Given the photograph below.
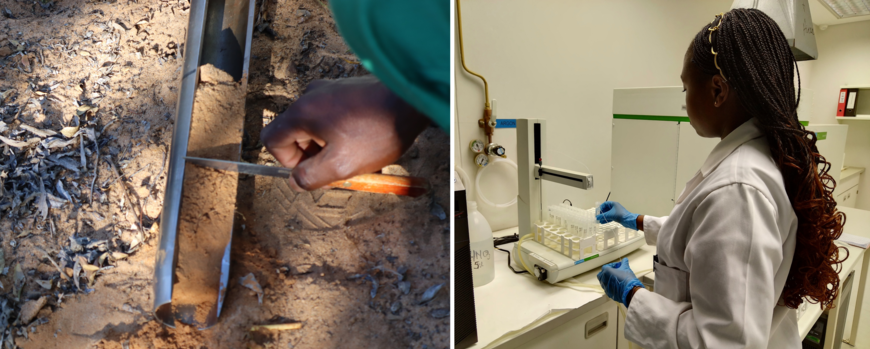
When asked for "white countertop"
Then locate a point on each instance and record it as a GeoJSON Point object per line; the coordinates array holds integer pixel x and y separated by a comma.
{"type": "Point", "coordinates": [512, 301]}
{"type": "Point", "coordinates": [857, 221]}
{"type": "Point", "coordinates": [849, 172]}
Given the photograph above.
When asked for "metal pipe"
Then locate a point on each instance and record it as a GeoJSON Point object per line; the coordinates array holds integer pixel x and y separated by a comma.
{"type": "Point", "coordinates": [462, 53]}
{"type": "Point", "coordinates": [487, 109]}
{"type": "Point", "coordinates": [164, 269]}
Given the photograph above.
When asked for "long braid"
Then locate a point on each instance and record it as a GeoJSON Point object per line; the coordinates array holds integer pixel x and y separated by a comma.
{"type": "Point", "coordinates": [758, 64]}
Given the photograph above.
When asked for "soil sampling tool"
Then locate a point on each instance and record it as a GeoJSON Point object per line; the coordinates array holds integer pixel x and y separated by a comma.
{"type": "Point", "coordinates": [372, 183]}
{"type": "Point", "coordinates": [219, 35]}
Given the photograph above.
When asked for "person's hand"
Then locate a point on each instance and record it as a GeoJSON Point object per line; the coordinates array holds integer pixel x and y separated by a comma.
{"type": "Point", "coordinates": [612, 211]}
{"type": "Point", "coordinates": [618, 280]}
{"type": "Point", "coordinates": [342, 128]}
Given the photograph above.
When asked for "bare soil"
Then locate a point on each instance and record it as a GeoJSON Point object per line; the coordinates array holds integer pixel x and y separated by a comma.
{"type": "Point", "coordinates": [209, 197]}
{"type": "Point", "coordinates": [316, 255]}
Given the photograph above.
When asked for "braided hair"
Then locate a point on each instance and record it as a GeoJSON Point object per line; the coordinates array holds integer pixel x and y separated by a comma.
{"type": "Point", "coordinates": [753, 56]}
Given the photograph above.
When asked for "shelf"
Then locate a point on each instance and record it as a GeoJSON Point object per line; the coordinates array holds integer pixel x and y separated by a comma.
{"type": "Point", "coordinates": [860, 87]}
{"type": "Point", "coordinates": [854, 118]}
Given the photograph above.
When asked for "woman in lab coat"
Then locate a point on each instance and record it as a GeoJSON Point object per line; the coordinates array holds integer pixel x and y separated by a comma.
{"type": "Point", "coordinates": [751, 236]}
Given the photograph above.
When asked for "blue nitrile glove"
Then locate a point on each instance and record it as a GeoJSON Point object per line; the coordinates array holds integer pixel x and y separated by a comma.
{"type": "Point", "coordinates": [617, 280]}
{"type": "Point", "coordinates": [612, 211]}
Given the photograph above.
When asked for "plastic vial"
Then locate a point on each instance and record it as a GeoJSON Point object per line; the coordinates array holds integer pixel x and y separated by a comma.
{"type": "Point", "coordinates": [539, 231]}
{"type": "Point", "coordinates": [575, 248]}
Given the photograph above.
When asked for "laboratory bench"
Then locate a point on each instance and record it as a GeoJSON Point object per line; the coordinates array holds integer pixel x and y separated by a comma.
{"type": "Point", "coordinates": [517, 311]}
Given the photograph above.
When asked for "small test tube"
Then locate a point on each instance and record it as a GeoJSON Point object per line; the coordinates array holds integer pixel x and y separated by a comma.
{"type": "Point", "coordinates": [587, 247]}
{"type": "Point", "coordinates": [569, 251]}
{"type": "Point", "coordinates": [599, 238]}
{"type": "Point", "coordinates": [610, 235]}
{"type": "Point", "coordinates": [620, 237]}
{"type": "Point", "coordinates": [575, 248]}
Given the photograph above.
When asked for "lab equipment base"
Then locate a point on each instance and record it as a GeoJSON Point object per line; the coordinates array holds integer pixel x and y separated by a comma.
{"type": "Point", "coordinates": [559, 267]}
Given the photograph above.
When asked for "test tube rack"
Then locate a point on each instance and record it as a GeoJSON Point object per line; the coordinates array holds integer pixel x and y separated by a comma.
{"type": "Point", "coordinates": [570, 241]}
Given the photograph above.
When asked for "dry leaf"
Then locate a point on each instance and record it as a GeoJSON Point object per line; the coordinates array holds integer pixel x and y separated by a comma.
{"type": "Point", "coordinates": [119, 255]}
{"type": "Point", "coordinates": [278, 327]}
{"type": "Point", "coordinates": [83, 108]}
{"type": "Point", "coordinates": [430, 293]}
{"type": "Point", "coordinates": [70, 131]}
{"type": "Point", "coordinates": [4, 95]}
{"type": "Point", "coordinates": [77, 271]}
{"type": "Point", "coordinates": [17, 281]}
{"type": "Point", "coordinates": [85, 266]}
{"type": "Point", "coordinates": [42, 202]}
{"type": "Point", "coordinates": [30, 309]}
{"type": "Point", "coordinates": [38, 132]}
{"type": "Point", "coordinates": [46, 284]}
{"type": "Point", "coordinates": [250, 281]}
{"type": "Point", "coordinates": [18, 144]}
{"type": "Point", "coordinates": [58, 142]}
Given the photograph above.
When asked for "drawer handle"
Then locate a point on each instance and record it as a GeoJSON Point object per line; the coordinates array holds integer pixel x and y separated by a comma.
{"type": "Point", "coordinates": [596, 325]}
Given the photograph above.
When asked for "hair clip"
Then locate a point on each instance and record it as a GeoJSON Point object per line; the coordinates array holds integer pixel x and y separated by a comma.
{"type": "Point", "coordinates": [720, 17]}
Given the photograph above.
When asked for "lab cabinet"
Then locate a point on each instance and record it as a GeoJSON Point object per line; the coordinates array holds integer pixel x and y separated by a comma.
{"type": "Point", "coordinates": [849, 198]}
{"type": "Point", "coordinates": [655, 150]}
{"type": "Point", "coordinates": [846, 193]}
{"type": "Point", "coordinates": [650, 172]}
{"type": "Point", "coordinates": [644, 161]}
{"type": "Point", "coordinates": [596, 328]}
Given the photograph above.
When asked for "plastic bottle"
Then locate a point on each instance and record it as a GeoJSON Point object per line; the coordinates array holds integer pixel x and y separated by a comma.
{"type": "Point", "coordinates": [481, 244]}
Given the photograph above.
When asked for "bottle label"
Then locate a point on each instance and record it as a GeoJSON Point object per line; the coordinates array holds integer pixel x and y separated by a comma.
{"type": "Point", "coordinates": [479, 258]}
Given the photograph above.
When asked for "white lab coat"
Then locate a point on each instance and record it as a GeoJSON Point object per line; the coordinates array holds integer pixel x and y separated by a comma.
{"type": "Point", "coordinates": [723, 256]}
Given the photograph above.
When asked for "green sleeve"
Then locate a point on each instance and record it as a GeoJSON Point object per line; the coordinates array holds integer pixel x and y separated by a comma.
{"type": "Point", "coordinates": [406, 44]}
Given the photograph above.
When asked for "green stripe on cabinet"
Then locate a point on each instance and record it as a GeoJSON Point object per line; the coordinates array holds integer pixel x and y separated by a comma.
{"type": "Point", "coordinates": [665, 118]}
{"type": "Point", "coordinates": [652, 117]}
{"type": "Point", "coordinates": [821, 135]}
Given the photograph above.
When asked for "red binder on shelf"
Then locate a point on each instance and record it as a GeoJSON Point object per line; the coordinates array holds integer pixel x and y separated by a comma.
{"type": "Point", "coordinates": [841, 102]}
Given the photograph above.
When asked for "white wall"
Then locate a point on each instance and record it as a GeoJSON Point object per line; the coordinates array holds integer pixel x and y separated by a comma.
{"type": "Point", "coordinates": [844, 59]}
{"type": "Point", "coordinates": [560, 60]}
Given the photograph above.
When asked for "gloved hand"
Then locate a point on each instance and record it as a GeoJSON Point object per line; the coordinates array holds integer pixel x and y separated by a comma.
{"type": "Point", "coordinates": [342, 128]}
{"type": "Point", "coordinates": [617, 280]}
{"type": "Point", "coordinates": [612, 211]}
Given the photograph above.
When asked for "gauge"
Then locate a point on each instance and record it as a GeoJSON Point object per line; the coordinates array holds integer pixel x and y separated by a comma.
{"type": "Point", "coordinates": [495, 150]}
{"type": "Point", "coordinates": [481, 160]}
{"type": "Point", "coordinates": [476, 146]}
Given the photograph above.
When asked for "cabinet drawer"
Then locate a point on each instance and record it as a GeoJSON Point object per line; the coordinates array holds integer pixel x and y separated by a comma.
{"type": "Point", "coordinates": [848, 197]}
{"type": "Point", "coordinates": [848, 183]}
